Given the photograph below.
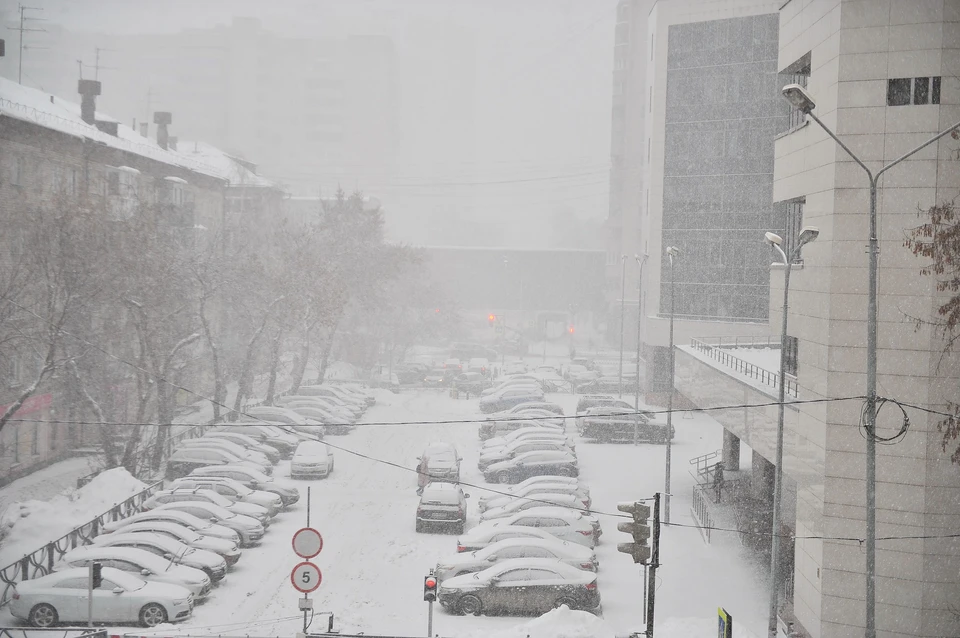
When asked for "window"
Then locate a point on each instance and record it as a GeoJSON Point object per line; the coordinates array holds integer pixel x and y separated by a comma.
{"type": "Point", "coordinates": [794, 225]}
{"type": "Point", "coordinates": [620, 64]}
{"type": "Point", "coordinates": [17, 177]}
{"type": "Point", "coordinates": [918, 91]}
{"type": "Point", "coordinates": [797, 73]}
{"type": "Point", "coordinates": [790, 355]}
{"type": "Point", "coordinates": [72, 583]}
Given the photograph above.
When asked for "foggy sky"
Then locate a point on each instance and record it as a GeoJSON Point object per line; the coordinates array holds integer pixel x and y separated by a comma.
{"type": "Point", "coordinates": [540, 72]}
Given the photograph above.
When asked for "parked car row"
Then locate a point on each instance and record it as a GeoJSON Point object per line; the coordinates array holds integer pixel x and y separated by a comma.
{"type": "Point", "coordinates": [533, 548]}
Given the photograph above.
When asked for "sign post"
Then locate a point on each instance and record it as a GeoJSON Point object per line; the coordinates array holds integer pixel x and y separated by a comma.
{"type": "Point", "coordinates": [306, 577]}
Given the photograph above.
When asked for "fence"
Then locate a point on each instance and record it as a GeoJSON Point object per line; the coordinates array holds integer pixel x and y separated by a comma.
{"type": "Point", "coordinates": [58, 632]}
{"type": "Point", "coordinates": [701, 512]}
{"type": "Point", "coordinates": [720, 354]}
{"type": "Point", "coordinates": [40, 561]}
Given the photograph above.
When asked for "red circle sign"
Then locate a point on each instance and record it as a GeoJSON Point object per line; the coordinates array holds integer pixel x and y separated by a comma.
{"type": "Point", "coordinates": [306, 577]}
{"type": "Point", "coordinates": [307, 542]}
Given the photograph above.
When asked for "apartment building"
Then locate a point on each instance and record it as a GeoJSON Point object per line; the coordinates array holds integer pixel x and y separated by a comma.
{"type": "Point", "coordinates": [883, 75]}
{"type": "Point", "coordinates": [54, 150]}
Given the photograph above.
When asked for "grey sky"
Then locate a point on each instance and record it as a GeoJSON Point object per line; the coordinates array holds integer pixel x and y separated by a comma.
{"type": "Point", "coordinates": [541, 88]}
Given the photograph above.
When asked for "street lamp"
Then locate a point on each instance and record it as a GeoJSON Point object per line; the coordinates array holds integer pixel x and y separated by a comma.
{"type": "Point", "coordinates": [807, 235]}
{"type": "Point", "coordinates": [636, 399]}
{"type": "Point", "coordinates": [801, 100]}
{"type": "Point", "coordinates": [673, 253]}
{"type": "Point", "coordinates": [623, 283]}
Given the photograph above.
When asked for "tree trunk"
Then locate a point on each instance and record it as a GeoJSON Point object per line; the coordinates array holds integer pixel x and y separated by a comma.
{"type": "Point", "coordinates": [243, 385]}
{"type": "Point", "coordinates": [300, 366]}
{"type": "Point", "coordinates": [274, 363]}
{"type": "Point", "coordinates": [327, 348]}
{"type": "Point", "coordinates": [218, 389]}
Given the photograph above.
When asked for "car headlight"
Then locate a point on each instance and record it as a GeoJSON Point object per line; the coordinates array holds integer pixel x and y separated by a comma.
{"type": "Point", "coordinates": [181, 601]}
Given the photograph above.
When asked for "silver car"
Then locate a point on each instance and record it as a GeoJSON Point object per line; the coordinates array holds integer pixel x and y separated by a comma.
{"type": "Point", "coordinates": [234, 491]}
{"type": "Point", "coordinates": [180, 494]}
{"type": "Point", "coordinates": [168, 548]}
{"type": "Point", "coordinates": [249, 529]}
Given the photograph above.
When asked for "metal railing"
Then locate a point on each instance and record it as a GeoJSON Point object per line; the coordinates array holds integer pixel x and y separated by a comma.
{"type": "Point", "coordinates": [50, 632]}
{"type": "Point", "coordinates": [719, 353]}
{"type": "Point", "coordinates": [701, 512]}
{"type": "Point", "coordinates": [40, 561]}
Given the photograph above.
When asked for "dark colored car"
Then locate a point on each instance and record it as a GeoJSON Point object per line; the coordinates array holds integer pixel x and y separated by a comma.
{"type": "Point", "coordinates": [509, 397]}
{"type": "Point", "coordinates": [538, 463]}
{"type": "Point", "coordinates": [471, 383]}
{"type": "Point", "coordinates": [408, 373]}
{"type": "Point", "coordinates": [521, 586]}
{"type": "Point", "coordinates": [605, 384]}
{"type": "Point", "coordinates": [444, 506]}
{"type": "Point", "coordinates": [609, 424]}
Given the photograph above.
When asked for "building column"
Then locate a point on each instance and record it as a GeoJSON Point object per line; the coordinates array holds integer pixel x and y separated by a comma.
{"type": "Point", "coordinates": [731, 451]}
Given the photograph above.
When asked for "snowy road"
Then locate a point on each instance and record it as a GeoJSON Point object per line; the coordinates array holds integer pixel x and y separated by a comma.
{"type": "Point", "coordinates": [373, 562]}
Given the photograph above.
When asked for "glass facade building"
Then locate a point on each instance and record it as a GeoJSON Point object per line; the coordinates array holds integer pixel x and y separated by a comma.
{"type": "Point", "coordinates": [724, 110]}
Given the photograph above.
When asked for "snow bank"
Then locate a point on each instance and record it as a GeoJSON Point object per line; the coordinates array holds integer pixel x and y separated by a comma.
{"type": "Point", "coordinates": [559, 623]}
{"type": "Point", "coordinates": [341, 370]}
{"type": "Point", "coordinates": [29, 525]}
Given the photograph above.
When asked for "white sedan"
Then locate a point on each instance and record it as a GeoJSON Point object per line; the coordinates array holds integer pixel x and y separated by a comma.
{"type": "Point", "coordinates": [529, 431]}
{"type": "Point", "coordinates": [468, 562]}
{"type": "Point", "coordinates": [139, 563]}
{"type": "Point", "coordinates": [312, 458]}
{"type": "Point", "coordinates": [121, 598]}
{"type": "Point", "coordinates": [567, 525]}
{"type": "Point", "coordinates": [532, 491]}
{"type": "Point", "coordinates": [483, 535]}
{"type": "Point", "coordinates": [211, 563]}
{"type": "Point", "coordinates": [520, 504]}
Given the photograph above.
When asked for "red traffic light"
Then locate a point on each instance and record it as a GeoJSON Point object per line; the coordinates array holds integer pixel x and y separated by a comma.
{"type": "Point", "coordinates": [491, 317]}
{"type": "Point", "coordinates": [437, 310]}
{"type": "Point", "coordinates": [570, 329]}
{"type": "Point", "coordinates": [430, 582]}
{"type": "Point", "coordinates": [430, 588]}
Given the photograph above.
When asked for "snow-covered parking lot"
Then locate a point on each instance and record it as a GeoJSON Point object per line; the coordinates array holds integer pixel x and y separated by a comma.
{"type": "Point", "coordinates": [373, 562]}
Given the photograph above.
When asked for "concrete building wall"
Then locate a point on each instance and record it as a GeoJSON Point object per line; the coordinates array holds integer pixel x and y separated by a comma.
{"type": "Point", "coordinates": [855, 48]}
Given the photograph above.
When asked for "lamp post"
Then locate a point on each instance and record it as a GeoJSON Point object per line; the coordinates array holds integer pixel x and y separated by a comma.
{"type": "Point", "coordinates": [807, 235]}
{"type": "Point", "coordinates": [623, 294]}
{"type": "Point", "coordinates": [673, 253]}
{"type": "Point", "coordinates": [801, 100]}
{"type": "Point", "coordinates": [636, 399]}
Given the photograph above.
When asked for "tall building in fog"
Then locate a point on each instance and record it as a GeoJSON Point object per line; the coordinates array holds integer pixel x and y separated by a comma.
{"type": "Point", "coordinates": [314, 113]}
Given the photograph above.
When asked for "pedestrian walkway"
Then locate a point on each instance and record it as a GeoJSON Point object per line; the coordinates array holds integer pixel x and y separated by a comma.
{"type": "Point", "coordinates": [44, 484]}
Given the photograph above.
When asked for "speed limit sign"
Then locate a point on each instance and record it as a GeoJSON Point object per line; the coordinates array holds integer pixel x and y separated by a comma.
{"type": "Point", "coordinates": [306, 577]}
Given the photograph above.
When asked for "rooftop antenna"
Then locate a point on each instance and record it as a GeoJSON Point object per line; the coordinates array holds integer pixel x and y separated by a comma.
{"type": "Point", "coordinates": [96, 65]}
{"type": "Point", "coordinates": [23, 28]}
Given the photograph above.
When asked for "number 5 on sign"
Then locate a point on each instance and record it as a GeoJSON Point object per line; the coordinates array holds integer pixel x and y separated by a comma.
{"type": "Point", "coordinates": [306, 577]}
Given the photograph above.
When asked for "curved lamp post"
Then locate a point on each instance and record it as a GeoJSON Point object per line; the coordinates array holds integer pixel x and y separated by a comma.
{"type": "Point", "coordinates": [807, 235]}
{"type": "Point", "coordinates": [674, 254]}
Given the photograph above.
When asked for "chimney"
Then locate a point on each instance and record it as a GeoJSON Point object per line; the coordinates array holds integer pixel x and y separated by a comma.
{"type": "Point", "coordinates": [172, 143]}
{"type": "Point", "coordinates": [88, 90]}
{"type": "Point", "coordinates": [144, 129]}
{"type": "Point", "coordinates": [162, 119]}
{"type": "Point", "coordinates": [110, 128]}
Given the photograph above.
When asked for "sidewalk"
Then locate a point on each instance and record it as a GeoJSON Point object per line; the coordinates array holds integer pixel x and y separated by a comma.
{"type": "Point", "coordinates": [44, 484]}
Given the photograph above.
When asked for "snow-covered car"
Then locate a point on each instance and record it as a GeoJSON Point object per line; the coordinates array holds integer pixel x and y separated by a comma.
{"type": "Point", "coordinates": [512, 380]}
{"type": "Point", "coordinates": [139, 563]}
{"type": "Point", "coordinates": [61, 597]}
{"type": "Point", "coordinates": [186, 459]}
{"type": "Point", "coordinates": [248, 442]}
{"type": "Point", "coordinates": [284, 442]}
{"type": "Point", "coordinates": [539, 463]}
{"type": "Point", "coordinates": [332, 406]}
{"type": "Point", "coordinates": [520, 585]}
{"type": "Point", "coordinates": [311, 460]}
{"type": "Point", "coordinates": [333, 391]}
{"type": "Point", "coordinates": [442, 505]}
{"type": "Point", "coordinates": [610, 424]}
{"type": "Point", "coordinates": [484, 535]}
{"type": "Point", "coordinates": [435, 378]}
{"type": "Point", "coordinates": [212, 564]}
{"type": "Point", "coordinates": [273, 414]}
{"type": "Point", "coordinates": [441, 461]}
{"type": "Point", "coordinates": [250, 529]}
{"type": "Point", "coordinates": [519, 504]}
{"type": "Point", "coordinates": [516, 448]}
{"type": "Point", "coordinates": [332, 423]}
{"type": "Point", "coordinates": [233, 490]}
{"type": "Point", "coordinates": [565, 524]}
{"type": "Point", "coordinates": [531, 491]}
{"type": "Point", "coordinates": [222, 444]}
{"type": "Point", "coordinates": [538, 415]}
{"type": "Point", "coordinates": [229, 550]}
{"type": "Point", "coordinates": [344, 387]}
{"type": "Point", "coordinates": [251, 478]}
{"type": "Point", "coordinates": [469, 562]}
{"type": "Point", "coordinates": [528, 432]}
{"type": "Point", "coordinates": [191, 522]}
{"type": "Point", "coordinates": [181, 494]}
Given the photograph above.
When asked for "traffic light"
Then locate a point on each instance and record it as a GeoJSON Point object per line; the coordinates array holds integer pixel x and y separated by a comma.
{"type": "Point", "coordinates": [430, 588]}
{"type": "Point", "coordinates": [95, 575]}
{"type": "Point", "coordinates": [639, 529]}
{"type": "Point", "coordinates": [491, 318]}
{"type": "Point", "coordinates": [570, 329]}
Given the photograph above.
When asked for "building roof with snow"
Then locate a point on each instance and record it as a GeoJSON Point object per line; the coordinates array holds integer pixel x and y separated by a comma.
{"type": "Point", "coordinates": [234, 169]}
{"type": "Point", "coordinates": [49, 111]}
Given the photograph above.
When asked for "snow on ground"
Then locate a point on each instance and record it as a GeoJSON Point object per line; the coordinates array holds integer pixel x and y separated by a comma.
{"type": "Point", "coordinates": [766, 358]}
{"type": "Point", "coordinates": [373, 562]}
{"type": "Point", "coordinates": [28, 525]}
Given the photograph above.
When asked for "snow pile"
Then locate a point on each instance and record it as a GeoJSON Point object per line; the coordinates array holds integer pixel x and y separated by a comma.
{"type": "Point", "coordinates": [341, 370]}
{"type": "Point", "coordinates": [559, 623]}
{"type": "Point", "coordinates": [31, 524]}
